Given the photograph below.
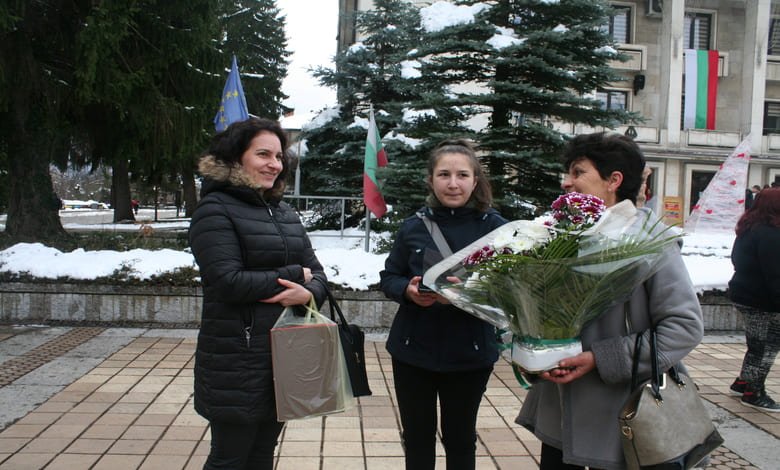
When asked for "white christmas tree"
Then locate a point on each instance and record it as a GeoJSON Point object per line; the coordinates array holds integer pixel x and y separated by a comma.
{"type": "Point", "coordinates": [723, 201]}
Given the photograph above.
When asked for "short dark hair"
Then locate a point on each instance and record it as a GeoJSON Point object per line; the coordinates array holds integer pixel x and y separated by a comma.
{"type": "Point", "coordinates": [229, 145]}
{"type": "Point", "coordinates": [482, 196]}
{"type": "Point", "coordinates": [610, 151]}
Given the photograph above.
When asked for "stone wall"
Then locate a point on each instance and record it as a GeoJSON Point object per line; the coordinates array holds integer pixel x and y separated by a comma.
{"type": "Point", "coordinates": [180, 306]}
{"type": "Point", "coordinates": [40, 302]}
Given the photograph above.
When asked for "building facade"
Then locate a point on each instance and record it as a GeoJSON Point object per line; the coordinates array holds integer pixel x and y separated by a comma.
{"type": "Point", "coordinates": [655, 34]}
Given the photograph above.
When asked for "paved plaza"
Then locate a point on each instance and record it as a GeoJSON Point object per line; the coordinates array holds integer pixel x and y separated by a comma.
{"type": "Point", "coordinates": [120, 398]}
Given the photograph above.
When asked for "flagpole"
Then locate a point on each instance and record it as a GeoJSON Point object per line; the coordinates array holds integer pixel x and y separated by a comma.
{"type": "Point", "coordinates": [368, 230]}
{"type": "Point", "coordinates": [368, 212]}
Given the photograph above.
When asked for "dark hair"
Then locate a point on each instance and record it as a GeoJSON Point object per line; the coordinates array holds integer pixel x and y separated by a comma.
{"type": "Point", "coordinates": [610, 152]}
{"type": "Point", "coordinates": [229, 145]}
{"type": "Point", "coordinates": [482, 196]}
{"type": "Point", "coordinates": [764, 211]}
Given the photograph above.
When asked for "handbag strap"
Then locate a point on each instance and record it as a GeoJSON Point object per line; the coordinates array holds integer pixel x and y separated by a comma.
{"type": "Point", "coordinates": [335, 310]}
{"type": "Point", "coordinates": [635, 362]}
{"type": "Point", "coordinates": [656, 376]}
{"type": "Point", "coordinates": [438, 237]}
{"type": "Point", "coordinates": [441, 243]}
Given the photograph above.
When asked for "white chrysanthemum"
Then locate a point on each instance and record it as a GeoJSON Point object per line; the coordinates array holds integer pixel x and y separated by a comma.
{"type": "Point", "coordinates": [472, 282]}
{"type": "Point", "coordinates": [526, 234]}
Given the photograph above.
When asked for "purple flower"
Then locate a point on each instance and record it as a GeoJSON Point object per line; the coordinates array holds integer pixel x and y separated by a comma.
{"type": "Point", "coordinates": [576, 211]}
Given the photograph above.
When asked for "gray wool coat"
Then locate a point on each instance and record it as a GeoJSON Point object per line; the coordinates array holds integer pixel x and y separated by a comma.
{"type": "Point", "coordinates": [580, 418]}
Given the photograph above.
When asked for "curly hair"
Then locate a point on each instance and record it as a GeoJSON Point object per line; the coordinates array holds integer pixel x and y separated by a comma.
{"type": "Point", "coordinates": [229, 145]}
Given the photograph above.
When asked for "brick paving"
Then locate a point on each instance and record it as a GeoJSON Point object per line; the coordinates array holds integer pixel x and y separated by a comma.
{"type": "Point", "coordinates": [16, 367]}
{"type": "Point", "coordinates": [134, 411]}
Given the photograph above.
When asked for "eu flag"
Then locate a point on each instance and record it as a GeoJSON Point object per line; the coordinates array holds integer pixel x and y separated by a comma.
{"type": "Point", "coordinates": [233, 106]}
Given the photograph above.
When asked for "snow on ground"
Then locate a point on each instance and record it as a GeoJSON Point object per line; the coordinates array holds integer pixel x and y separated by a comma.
{"type": "Point", "coordinates": [344, 257]}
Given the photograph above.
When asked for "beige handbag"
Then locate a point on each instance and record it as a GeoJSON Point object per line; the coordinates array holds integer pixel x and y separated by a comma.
{"type": "Point", "coordinates": [664, 424]}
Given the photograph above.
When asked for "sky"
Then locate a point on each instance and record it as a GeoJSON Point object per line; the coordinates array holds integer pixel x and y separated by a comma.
{"type": "Point", "coordinates": [312, 28]}
{"type": "Point", "coordinates": [344, 259]}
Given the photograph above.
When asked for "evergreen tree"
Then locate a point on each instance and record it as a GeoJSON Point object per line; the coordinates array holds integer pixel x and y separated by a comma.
{"type": "Point", "coordinates": [143, 95]}
{"type": "Point", "coordinates": [4, 183]}
{"type": "Point", "coordinates": [539, 63]}
{"type": "Point", "coordinates": [376, 71]}
{"type": "Point", "coordinates": [36, 108]}
{"type": "Point", "coordinates": [254, 32]}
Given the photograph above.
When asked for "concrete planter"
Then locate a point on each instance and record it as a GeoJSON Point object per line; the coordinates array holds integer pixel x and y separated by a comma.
{"type": "Point", "coordinates": [22, 302]}
{"type": "Point", "coordinates": [165, 305]}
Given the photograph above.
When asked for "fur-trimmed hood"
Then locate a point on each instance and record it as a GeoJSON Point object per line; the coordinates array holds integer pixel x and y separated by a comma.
{"type": "Point", "coordinates": [221, 172]}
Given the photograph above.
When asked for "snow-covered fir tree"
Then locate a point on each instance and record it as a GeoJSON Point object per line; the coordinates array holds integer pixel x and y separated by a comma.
{"type": "Point", "coordinates": [376, 71]}
{"type": "Point", "coordinates": [514, 75]}
{"type": "Point", "coordinates": [528, 64]}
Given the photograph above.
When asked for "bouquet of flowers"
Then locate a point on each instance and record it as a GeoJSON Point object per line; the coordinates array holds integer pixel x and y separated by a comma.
{"type": "Point", "coordinates": [544, 279]}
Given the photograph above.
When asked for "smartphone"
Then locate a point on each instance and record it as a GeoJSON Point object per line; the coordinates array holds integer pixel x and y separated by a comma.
{"type": "Point", "coordinates": [423, 289]}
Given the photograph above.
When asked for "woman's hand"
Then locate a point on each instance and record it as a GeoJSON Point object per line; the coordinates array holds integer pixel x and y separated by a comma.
{"type": "Point", "coordinates": [571, 368]}
{"type": "Point", "coordinates": [307, 275]}
{"type": "Point", "coordinates": [293, 294]}
{"type": "Point", "coordinates": [423, 299]}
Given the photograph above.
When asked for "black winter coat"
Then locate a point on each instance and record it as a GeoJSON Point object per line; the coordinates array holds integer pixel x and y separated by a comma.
{"type": "Point", "coordinates": [756, 260]}
{"type": "Point", "coordinates": [242, 245]}
{"type": "Point", "coordinates": [440, 337]}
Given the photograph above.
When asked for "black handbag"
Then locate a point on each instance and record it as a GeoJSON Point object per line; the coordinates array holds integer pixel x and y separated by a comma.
{"type": "Point", "coordinates": [664, 424]}
{"type": "Point", "coordinates": [353, 344]}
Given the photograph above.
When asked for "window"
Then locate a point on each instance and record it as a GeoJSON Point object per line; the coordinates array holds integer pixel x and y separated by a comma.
{"type": "Point", "coordinates": [613, 99]}
{"type": "Point", "coordinates": [774, 37]}
{"type": "Point", "coordinates": [700, 179]}
{"type": "Point", "coordinates": [619, 24]}
{"type": "Point", "coordinates": [696, 30]}
{"type": "Point", "coordinates": [771, 117]}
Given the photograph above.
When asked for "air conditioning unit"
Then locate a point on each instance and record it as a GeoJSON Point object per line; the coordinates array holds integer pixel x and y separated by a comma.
{"type": "Point", "coordinates": [655, 8]}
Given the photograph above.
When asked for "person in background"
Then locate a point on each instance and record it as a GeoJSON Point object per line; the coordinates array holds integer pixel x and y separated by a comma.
{"type": "Point", "coordinates": [177, 201]}
{"type": "Point", "coordinates": [750, 195]}
{"type": "Point", "coordinates": [573, 409]}
{"type": "Point", "coordinates": [755, 290]}
{"type": "Point", "coordinates": [438, 350]}
{"type": "Point", "coordinates": [644, 197]}
{"type": "Point", "coordinates": [255, 259]}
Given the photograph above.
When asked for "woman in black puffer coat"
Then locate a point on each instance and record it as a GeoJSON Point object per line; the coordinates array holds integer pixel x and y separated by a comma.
{"type": "Point", "coordinates": [255, 259]}
{"type": "Point", "coordinates": [439, 351]}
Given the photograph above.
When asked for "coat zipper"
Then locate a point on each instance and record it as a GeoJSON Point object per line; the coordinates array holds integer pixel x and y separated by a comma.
{"type": "Point", "coordinates": [278, 230]}
{"type": "Point", "coordinates": [248, 331]}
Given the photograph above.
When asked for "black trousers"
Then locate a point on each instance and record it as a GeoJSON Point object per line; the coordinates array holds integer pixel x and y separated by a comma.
{"type": "Point", "coordinates": [459, 394]}
{"type": "Point", "coordinates": [243, 446]}
{"type": "Point", "coordinates": [552, 459]}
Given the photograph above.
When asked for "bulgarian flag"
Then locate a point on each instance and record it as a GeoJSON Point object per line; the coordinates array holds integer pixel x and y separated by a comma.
{"type": "Point", "coordinates": [375, 158]}
{"type": "Point", "coordinates": [701, 89]}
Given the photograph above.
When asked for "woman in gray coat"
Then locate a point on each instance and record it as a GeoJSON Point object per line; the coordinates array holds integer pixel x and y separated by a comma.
{"type": "Point", "coordinates": [573, 409]}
